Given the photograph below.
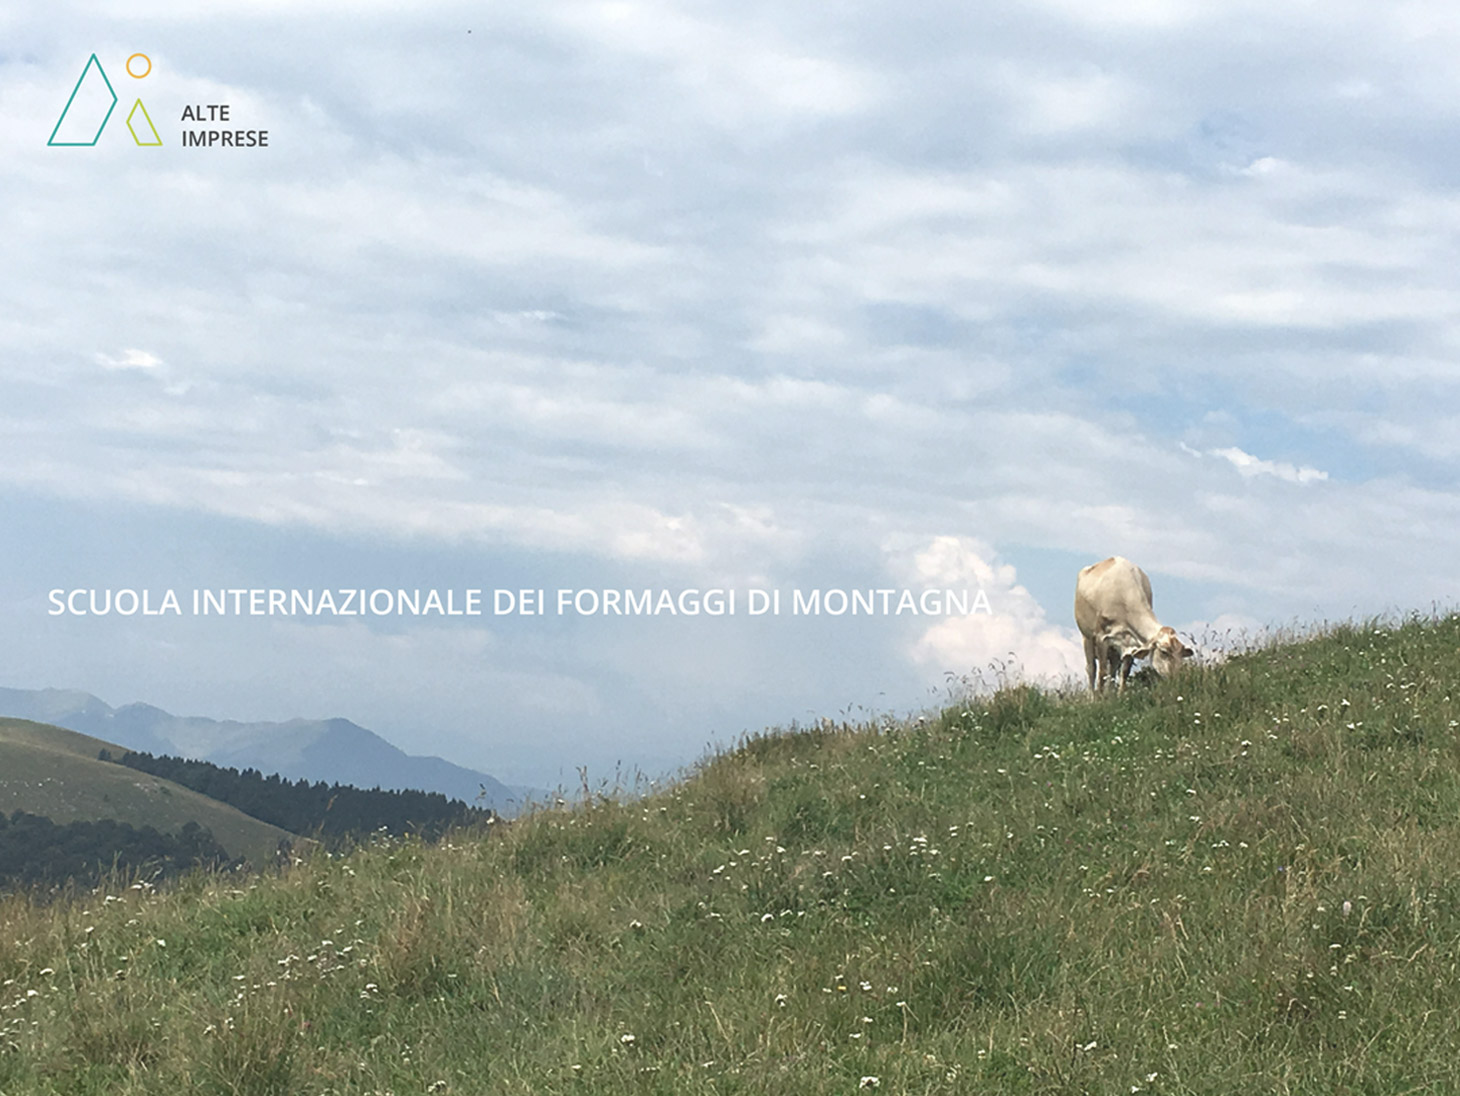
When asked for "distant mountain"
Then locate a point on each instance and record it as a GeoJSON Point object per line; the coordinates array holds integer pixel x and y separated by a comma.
{"type": "Point", "coordinates": [333, 750]}
{"type": "Point", "coordinates": [56, 773]}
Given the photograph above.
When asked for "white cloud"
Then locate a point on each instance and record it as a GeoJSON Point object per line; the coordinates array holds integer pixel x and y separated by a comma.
{"type": "Point", "coordinates": [738, 73]}
{"type": "Point", "coordinates": [1132, 14]}
{"type": "Point", "coordinates": [1016, 635]}
{"type": "Point", "coordinates": [1250, 466]}
{"type": "Point", "coordinates": [1057, 103]}
{"type": "Point", "coordinates": [129, 359]}
{"type": "Point", "coordinates": [723, 291]}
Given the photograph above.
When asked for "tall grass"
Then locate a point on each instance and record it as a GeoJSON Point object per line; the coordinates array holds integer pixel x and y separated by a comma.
{"type": "Point", "coordinates": [1244, 877]}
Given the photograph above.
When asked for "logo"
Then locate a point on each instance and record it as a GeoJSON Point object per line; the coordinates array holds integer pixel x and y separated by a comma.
{"type": "Point", "coordinates": [94, 99]}
{"type": "Point", "coordinates": [92, 102]}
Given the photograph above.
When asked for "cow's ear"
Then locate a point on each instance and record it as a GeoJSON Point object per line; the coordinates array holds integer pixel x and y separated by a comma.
{"type": "Point", "coordinates": [1143, 652]}
{"type": "Point", "coordinates": [1187, 652]}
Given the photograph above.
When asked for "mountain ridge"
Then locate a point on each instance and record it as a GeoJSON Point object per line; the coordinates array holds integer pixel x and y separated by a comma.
{"type": "Point", "coordinates": [335, 750]}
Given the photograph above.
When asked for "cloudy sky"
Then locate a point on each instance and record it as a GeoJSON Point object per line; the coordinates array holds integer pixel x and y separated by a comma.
{"type": "Point", "coordinates": [645, 293]}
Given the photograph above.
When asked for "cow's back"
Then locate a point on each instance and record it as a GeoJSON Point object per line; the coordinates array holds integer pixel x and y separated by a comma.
{"type": "Point", "coordinates": [1113, 592]}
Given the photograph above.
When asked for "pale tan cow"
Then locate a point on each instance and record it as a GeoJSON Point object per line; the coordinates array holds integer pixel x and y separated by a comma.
{"type": "Point", "coordinates": [1114, 614]}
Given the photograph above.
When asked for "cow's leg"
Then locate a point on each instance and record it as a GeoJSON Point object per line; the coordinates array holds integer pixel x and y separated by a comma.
{"type": "Point", "coordinates": [1126, 662]}
{"type": "Point", "coordinates": [1090, 661]}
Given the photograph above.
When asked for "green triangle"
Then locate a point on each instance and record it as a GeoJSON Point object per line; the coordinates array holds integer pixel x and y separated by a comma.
{"type": "Point", "coordinates": [156, 141]}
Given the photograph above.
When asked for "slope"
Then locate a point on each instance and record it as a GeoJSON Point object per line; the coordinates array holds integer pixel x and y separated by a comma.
{"type": "Point", "coordinates": [1243, 879]}
{"type": "Point", "coordinates": [54, 772]}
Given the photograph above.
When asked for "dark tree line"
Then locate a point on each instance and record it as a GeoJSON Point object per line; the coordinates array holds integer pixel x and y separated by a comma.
{"type": "Point", "coordinates": [36, 851]}
{"type": "Point", "coordinates": [336, 814]}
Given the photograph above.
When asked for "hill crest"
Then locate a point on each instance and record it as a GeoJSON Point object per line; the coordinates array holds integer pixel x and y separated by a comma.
{"type": "Point", "coordinates": [336, 751]}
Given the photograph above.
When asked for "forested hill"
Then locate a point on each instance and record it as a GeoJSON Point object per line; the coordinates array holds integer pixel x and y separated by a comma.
{"type": "Point", "coordinates": [337, 814]}
{"type": "Point", "coordinates": [51, 772]}
{"type": "Point", "coordinates": [35, 851]}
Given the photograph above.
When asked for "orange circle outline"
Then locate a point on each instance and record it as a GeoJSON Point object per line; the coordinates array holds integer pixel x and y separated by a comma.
{"type": "Point", "coordinates": [132, 74]}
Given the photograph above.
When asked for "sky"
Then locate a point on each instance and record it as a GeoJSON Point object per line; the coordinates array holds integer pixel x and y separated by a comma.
{"type": "Point", "coordinates": [649, 294]}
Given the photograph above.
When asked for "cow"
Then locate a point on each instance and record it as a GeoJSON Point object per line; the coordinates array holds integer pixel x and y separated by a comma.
{"type": "Point", "coordinates": [1114, 614]}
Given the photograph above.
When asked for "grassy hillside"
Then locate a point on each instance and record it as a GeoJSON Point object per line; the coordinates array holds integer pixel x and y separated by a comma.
{"type": "Point", "coordinates": [55, 772]}
{"type": "Point", "coordinates": [1246, 878]}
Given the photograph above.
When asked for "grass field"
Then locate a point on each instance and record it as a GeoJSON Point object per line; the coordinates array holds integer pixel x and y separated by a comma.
{"type": "Point", "coordinates": [1246, 878]}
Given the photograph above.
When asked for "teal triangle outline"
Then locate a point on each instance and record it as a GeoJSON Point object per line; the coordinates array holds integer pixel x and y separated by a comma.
{"type": "Point", "coordinates": [81, 80]}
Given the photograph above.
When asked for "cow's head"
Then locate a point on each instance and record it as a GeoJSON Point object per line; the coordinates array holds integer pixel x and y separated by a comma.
{"type": "Point", "coordinates": [1166, 651]}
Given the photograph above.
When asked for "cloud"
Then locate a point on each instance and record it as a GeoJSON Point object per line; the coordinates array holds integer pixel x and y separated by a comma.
{"type": "Point", "coordinates": [129, 359]}
{"type": "Point", "coordinates": [1250, 466]}
{"type": "Point", "coordinates": [736, 293]}
{"type": "Point", "coordinates": [1016, 635]}
{"type": "Point", "coordinates": [738, 73]}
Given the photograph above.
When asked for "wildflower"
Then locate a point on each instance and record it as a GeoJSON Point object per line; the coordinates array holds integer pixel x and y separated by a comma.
{"type": "Point", "coordinates": [626, 1038]}
{"type": "Point", "coordinates": [781, 999]}
{"type": "Point", "coordinates": [870, 1082]}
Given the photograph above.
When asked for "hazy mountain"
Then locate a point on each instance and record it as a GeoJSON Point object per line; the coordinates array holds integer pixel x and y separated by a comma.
{"type": "Point", "coordinates": [332, 750]}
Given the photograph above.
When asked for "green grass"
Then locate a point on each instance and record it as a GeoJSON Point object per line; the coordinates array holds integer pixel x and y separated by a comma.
{"type": "Point", "coordinates": [54, 772]}
{"type": "Point", "coordinates": [1246, 878]}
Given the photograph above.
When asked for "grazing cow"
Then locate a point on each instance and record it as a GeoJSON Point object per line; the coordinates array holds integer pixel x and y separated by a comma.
{"type": "Point", "coordinates": [1113, 611]}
